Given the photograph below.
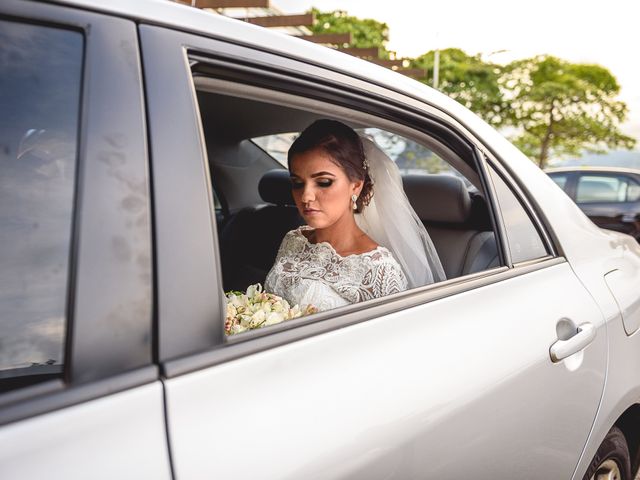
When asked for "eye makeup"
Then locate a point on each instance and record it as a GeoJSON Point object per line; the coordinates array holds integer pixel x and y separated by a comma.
{"type": "Point", "coordinates": [322, 183]}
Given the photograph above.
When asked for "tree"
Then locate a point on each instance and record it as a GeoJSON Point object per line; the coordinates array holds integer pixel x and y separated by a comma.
{"type": "Point", "coordinates": [365, 33]}
{"type": "Point", "coordinates": [469, 80]}
{"type": "Point", "coordinates": [562, 108]}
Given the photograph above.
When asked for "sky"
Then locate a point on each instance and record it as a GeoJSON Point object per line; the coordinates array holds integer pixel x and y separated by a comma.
{"type": "Point", "coordinates": [581, 31]}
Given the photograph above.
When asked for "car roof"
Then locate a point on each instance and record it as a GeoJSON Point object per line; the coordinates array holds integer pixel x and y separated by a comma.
{"type": "Point", "coordinates": [600, 169]}
{"type": "Point", "coordinates": [194, 20]}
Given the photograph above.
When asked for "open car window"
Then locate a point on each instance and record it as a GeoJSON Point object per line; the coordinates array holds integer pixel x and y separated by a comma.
{"type": "Point", "coordinates": [247, 136]}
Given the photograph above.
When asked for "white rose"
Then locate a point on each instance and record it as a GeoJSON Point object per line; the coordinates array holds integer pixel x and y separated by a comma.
{"type": "Point", "coordinates": [258, 317]}
{"type": "Point", "coordinates": [253, 289]}
{"type": "Point", "coordinates": [244, 320]}
{"type": "Point", "coordinates": [238, 329]}
{"type": "Point", "coordinates": [273, 318]}
{"type": "Point", "coordinates": [235, 300]}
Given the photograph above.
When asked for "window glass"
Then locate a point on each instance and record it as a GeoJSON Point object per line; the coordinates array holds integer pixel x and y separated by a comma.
{"type": "Point", "coordinates": [267, 253]}
{"type": "Point", "coordinates": [633, 192]}
{"type": "Point", "coordinates": [410, 156]}
{"type": "Point", "coordinates": [40, 80]}
{"type": "Point", "coordinates": [601, 188]}
{"type": "Point", "coordinates": [560, 179]}
{"type": "Point", "coordinates": [276, 145]}
{"type": "Point", "coordinates": [523, 237]}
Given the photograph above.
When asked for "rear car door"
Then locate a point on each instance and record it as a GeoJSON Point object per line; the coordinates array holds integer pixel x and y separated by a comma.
{"type": "Point", "coordinates": [462, 379]}
{"type": "Point", "coordinates": [80, 396]}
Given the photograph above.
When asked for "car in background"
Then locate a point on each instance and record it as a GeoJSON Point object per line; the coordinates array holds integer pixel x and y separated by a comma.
{"type": "Point", "coordinates": [135, 192]}
{"type": "Point", "coordinates": [609, 196]}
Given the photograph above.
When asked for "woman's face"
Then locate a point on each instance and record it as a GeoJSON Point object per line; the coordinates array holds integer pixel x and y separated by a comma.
{"type": "Point", "coordinates": [321, 188]}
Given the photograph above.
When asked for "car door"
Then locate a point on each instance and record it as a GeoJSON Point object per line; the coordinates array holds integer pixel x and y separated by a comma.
{"type": "Point", "coordinates": [479, 376]}
{"type": "Point", "coordinates": [80, 396]}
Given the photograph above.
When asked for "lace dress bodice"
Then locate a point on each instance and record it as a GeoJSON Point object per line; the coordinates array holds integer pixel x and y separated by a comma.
{"type": "Point", "coordinates": [315, 274]}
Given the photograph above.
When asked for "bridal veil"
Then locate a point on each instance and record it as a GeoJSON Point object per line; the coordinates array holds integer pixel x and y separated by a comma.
{"type": "Point", "coordinates": [390, 220]}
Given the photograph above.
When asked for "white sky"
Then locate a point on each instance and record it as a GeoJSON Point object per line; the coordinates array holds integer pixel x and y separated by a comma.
{"type": "Point", "coordinates": [586, 31]}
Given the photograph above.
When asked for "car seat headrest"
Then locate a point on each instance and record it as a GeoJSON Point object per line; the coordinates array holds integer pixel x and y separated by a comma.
{"type": "Point", "coordinates": [438, 198]}
{"type": "Point", "coordinates": [275, 187]}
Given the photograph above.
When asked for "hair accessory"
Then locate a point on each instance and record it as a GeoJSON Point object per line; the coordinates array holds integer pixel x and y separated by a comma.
{"type": "Point", "coordinates": [365, 164]}
{"type": "Point", "coordinates": [354, 205]}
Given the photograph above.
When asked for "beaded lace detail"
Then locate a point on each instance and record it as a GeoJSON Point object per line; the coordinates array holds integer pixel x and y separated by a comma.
{"type": "Point", "coordinates": [314, 273]}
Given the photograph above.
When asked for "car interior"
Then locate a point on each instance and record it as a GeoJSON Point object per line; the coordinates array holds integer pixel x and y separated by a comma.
{"type": "Point", "coordinates": [252, 190]}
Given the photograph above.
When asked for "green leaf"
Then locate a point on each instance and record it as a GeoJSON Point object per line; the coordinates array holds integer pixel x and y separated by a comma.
{"type": "Point", "coordinates": [561, 108]}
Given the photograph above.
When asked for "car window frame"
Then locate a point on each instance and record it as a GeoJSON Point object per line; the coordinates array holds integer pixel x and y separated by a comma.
{"type": "Point", "coordinates": [93, 367]}
{"type": "Point", "coordinates": [237, 63]}
{"type": "Point", "coordinates": [526, 205]}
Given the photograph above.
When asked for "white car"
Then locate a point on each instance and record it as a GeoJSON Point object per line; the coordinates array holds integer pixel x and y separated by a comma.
{"type": "Point", "coordinates": [140, 180]}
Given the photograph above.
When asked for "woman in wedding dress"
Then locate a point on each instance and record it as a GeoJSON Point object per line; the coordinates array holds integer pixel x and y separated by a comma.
{"type": "Point", "coordinates": [362, 239]}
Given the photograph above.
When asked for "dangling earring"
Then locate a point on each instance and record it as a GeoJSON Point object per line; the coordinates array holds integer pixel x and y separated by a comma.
{"type": "Point", "coordinates": [354, 205]}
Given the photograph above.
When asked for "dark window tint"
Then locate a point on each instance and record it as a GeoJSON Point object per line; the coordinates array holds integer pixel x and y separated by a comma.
{"type": "Point", "coordinates": [40, 80]}
{"type": "Point", "coordinates": [523, 237]}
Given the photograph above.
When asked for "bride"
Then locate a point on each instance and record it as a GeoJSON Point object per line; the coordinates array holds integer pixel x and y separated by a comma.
{"type": "Point", "coordinates": [362, 239]}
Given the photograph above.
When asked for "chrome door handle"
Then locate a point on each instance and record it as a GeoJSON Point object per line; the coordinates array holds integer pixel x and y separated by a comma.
{"type": "Point", "coordinates": [561, 349]}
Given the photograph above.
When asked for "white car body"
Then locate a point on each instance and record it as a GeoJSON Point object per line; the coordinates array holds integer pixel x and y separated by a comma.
{"type": "Point", "coordinates": [452, 381]}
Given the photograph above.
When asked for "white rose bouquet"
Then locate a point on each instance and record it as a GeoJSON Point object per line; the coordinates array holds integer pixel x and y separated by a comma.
{"type": "Point", "coordinates": [256, 309]}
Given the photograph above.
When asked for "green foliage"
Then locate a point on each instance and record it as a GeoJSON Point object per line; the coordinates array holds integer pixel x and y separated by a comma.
{"type": "Point", "coordinates": [365, 33]}
{"type": "Point", "coordinates": [469, 80]}
{"type": "Point", "coordinates": [557, 108]}
{"type": "Point", "coordinates": [561, 108]}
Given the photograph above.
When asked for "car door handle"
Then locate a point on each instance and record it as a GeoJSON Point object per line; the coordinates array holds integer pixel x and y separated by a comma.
{"type": "Point", "coordinates": [561, 349]}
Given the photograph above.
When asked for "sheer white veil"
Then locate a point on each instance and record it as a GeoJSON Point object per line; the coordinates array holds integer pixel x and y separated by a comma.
{"type": "Point", "coordinates": [391, 222]}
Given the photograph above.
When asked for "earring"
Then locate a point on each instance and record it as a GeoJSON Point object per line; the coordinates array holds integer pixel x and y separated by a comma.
{"type": "Point", "coordinates": [354, 205]}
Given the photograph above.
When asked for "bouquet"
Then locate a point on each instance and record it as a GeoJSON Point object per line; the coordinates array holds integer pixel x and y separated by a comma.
{"type": "Point", "coordinates": [256, 309]}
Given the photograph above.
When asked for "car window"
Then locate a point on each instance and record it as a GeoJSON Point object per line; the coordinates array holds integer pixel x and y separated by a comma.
{"type": "Point", "coordinates": [524, 239]}
{"type": "Point", "coordinates": [277, 145]}
{"type": "Point", "coordinates": [560, 179]}
{"type": "Point", "coordinates": [410, 156]}
{"type": "Point", "coordinates": [243, 159]}
{"type": "Point", "coordinates": [601, 188]}
{"type": "Point", "coordinates": [40, 80]}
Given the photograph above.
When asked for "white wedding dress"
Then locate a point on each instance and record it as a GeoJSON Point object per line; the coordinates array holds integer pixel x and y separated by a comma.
{"type": "Point", "coordinates": [315, 274]}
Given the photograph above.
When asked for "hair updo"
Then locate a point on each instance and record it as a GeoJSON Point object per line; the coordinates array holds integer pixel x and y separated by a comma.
{"type": "Point", "coordinates": [343, 145]}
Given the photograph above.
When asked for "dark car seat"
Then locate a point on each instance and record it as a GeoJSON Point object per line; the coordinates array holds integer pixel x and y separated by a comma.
{"type": "Point", "coordinates": [251, 237]}
{"type": "Point", "coordinates": [449, 214]}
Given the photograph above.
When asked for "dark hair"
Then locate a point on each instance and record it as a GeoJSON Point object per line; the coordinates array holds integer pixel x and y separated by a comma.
{"type": "Point", "coordinates": [344, 147]}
